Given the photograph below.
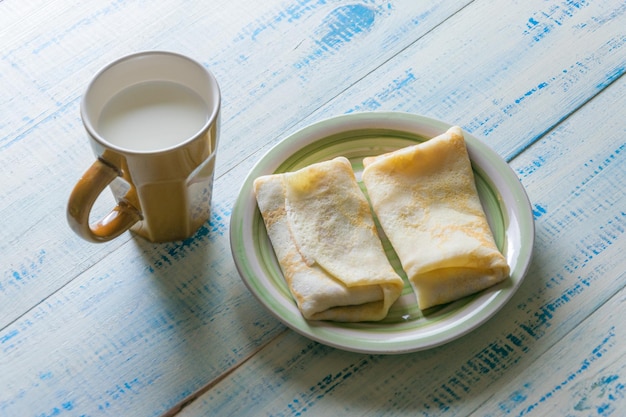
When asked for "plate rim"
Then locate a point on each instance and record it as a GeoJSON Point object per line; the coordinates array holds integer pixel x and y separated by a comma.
{"type": "Point", "coordinates": [492, 299]}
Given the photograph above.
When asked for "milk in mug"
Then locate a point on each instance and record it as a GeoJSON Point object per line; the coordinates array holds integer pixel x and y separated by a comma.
{"type": "Point", "coordinates": [152, 115]}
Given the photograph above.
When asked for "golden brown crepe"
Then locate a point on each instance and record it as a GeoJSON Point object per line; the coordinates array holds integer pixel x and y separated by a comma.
{"type": "Point", "coordinates": [426, 201]}
{"type": "Point", "coordinates": [324, 237]}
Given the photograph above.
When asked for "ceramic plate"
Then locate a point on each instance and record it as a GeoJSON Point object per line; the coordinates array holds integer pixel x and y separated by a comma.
{"type": "Point", "coordinates": [406, 328]}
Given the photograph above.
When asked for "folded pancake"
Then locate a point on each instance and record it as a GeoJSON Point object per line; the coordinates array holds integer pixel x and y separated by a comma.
{"type": "Point", "coordinates": [426, 201]}
{"type": "Point", "coordinates": [324, 237]}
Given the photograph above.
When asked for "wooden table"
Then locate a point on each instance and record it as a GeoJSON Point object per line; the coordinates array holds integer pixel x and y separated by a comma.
{"type": "Point", "coordinates": [130, 328]}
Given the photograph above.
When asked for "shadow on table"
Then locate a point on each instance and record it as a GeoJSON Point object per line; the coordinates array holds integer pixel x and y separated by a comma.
{"type": "Point", "coordinates": [458, 376]}
{"type": "Point", "coordinates": [206, 315]}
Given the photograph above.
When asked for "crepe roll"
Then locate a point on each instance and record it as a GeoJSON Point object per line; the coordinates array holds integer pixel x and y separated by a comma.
{"type": "Point", "coordinates": [426, 201]}
{"type": "Point", "coordinates": [323, 234]}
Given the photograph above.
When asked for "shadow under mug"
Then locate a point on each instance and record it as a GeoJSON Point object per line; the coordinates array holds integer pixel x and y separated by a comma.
{"type": "Point", "coordinates": [163, 185]}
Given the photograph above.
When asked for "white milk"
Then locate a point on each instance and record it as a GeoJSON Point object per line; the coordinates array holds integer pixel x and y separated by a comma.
{"type": "Point", "coordinates": [152, 115]}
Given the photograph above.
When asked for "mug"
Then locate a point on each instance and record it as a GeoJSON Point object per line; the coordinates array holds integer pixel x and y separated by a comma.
{"type": "Point", "coordinates": [153, 123]}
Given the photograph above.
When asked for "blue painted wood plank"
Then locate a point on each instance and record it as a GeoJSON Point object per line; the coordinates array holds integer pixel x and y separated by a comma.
{"type": "Point", "coordinates": [101, 330]}
{"type": "Point", "coordinates": [520, 362]}
{"type": "Point", "coordinates": [46, 99]}
{"type": "Point", "coordinates": [490, 75]}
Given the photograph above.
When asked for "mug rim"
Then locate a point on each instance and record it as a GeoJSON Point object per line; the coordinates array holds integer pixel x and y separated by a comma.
{"type": "Point", "coordinates": [212, 117]}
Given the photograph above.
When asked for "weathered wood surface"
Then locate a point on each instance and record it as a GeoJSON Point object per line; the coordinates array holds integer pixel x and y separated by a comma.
{"type": "Point", "coordinates": [132, 328]}
{"type": "Point", "coordinates": [556, 348]}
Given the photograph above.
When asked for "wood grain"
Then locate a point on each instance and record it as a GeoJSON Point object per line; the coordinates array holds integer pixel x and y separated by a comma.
{"type": "Point", "coordinates": [557, 330]}
{"type": "Point", "coordinates": [132, 328]}
{"type": "Point", "coordinates": [47, 134]}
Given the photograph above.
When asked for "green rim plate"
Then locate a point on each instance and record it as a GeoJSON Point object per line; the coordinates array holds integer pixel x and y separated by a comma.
{"type": "Point", "coordinates": [406, 328]}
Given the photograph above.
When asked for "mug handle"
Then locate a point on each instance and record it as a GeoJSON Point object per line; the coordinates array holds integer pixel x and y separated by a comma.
{"type": "Point", "coordinates": [82, 199]}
